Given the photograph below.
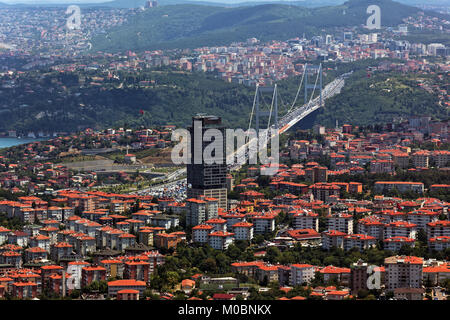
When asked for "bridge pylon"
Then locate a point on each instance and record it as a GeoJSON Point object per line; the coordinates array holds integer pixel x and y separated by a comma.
{"type": "Point", "coordinates": [312, 86]}
{"type": "Point", "coordinates": [273, 109]}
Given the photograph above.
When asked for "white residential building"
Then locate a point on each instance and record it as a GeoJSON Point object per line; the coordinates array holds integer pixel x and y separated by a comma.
{"type": "Point", "coordinates": [396, 243]}
{"type": "Point", "coordinates": [200, 233]}
{"type": "Point", "coordinates": [439, 243]}
{"type": "Point", "coordinates": [403, 272]}
{"type": "Point", "coordinates": [301, 273]}
{"type": "Point", "coordinates": [304, 219]}
{"type": "Point", "coordinates": [371, 226]}
{"type": "Point", "coordinates": [218, 224]}
{"type": "Point", "coordinates": [264, 224]}
{"type": "Point", "coordinates": [400, 229]}
{"type": "Point", "coordinates": [422, 217]}
{"type": "Point", "coordinates": [220, 240]}
{"type": "Point", "coordinates": [360, 241]}
{"type": "Point", "coordinates": [342, 222]}
{"type": "Point", "coordinates": [243, 231]}
{"type": "Point", "coordinates": [333, 238]}
{"type": "Point", "coordinates": [439, 228]}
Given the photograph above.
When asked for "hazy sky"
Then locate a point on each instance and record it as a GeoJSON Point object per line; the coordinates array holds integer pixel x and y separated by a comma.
{"type": "Point", "coordinates": [51, 1]}
{"type": "Point", "coordinates": [97, 1]}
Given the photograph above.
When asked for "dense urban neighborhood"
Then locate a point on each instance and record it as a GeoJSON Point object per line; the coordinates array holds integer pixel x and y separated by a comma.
{"type": "Point", "coordinates": [343, 200]}
{"type": "Point", "coordinates": [96, 208]}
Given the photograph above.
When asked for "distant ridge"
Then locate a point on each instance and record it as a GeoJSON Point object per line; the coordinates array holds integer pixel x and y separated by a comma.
{"type": "Point", "coordinates": [306, 3]}
{"type": "Point", "coordinates": [196, 25]}
{"type": "Point", "coordinates": [222, 3]}
{"type": "Point", "coordinates": [141, 3]}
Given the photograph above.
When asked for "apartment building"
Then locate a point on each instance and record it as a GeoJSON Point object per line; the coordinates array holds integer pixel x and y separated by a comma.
{"type": "Point", "coordinates": [243, 231]}
{"type": "Point", "coordinates": [342, 222]}
{"type": "Point", "coordinates": [200, 210]}
{"type": "Point", "coordinates": [438, 229]}
{"type": "Point", "coordinates": [401, 186]}
{"type": "Point", "coordinates": [301, 273]}
{"type": "Point", "coordinates": [421, 159]}
{"type": "Point", "coordinates": [200, 233]}
{"type": "Point", "coordinates": [92, 273]}
{"type": "Point", "coordinates": [439, 243]}
{"type": "Point", "coordinates": [305, 219]}
{"type": "Point", "coordinates": [264, 223]}
{"type": "Point", "coordinates": [400, 229]}
{"type": "Point", "coordinates": [218, 224]}
{"type": "Point", "coordinates": [381, 166]}
{"type": "Point", "coordinates": [422, 217]}
{"type": "Point", "coordinates": [371, 226]}
{"type": "Point", "coordinates": [441, 158]}
{"type": "Point", "coordinates": [127, 284]}
{"type": "Point", "coordinates": [220, 240]}
{"type": "Point", "coordinates": [333, 238]}
{"type": "Point", "coordinates": [396, 243]}
{"type": "Point", "coordinates": [359, 241]}
{"type": "Point", "coordinates": [323, 191]}
{"type": "Point", "coordinates": [403, 272]}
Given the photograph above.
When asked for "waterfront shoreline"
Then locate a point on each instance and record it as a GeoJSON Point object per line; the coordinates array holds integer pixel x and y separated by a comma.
{"type": "Point", "coordinates": [7, 142]}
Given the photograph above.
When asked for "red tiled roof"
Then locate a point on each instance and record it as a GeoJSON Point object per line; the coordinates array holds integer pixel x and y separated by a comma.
{"type": "Point", "coordinates": [126, 283]}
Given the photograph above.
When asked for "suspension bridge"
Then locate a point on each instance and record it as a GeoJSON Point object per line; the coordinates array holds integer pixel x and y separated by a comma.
{"type": "Point", "coordinates": [279, 126]}
{"type": "Point", "coordinates": [292, 116]}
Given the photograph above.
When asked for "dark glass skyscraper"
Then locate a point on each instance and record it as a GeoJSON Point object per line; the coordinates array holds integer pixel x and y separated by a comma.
{"type": "Point", "coordinates": [203, 178]}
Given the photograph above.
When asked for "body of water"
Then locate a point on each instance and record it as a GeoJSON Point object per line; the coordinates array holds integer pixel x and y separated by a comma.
{"type": "Point", "coordinates": [10, 142]}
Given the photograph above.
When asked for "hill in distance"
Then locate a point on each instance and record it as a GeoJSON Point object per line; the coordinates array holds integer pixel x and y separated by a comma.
{"type": "Point", "coordinates": [378, 100]}
{"type": "Point", "coordinates": [141, 3]}
{"type": "Point", "coordinates": [189, 26]}
{"type": "Point", "coordinates": [71, 101]}
{"type": "Point", "coordinates": [221, 3]}
{"type": "Point", "coordinates": [224, 3]}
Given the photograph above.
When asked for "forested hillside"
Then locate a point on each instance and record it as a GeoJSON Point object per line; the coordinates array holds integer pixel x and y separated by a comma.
{"type": "Point", "coordinates": [187, 25]}
{"type": "Point", "coordinates": [53, 101]}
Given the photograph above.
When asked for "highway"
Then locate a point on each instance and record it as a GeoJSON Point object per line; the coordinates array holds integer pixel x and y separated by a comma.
{"type": "Point", "coordinates": [171, 185]}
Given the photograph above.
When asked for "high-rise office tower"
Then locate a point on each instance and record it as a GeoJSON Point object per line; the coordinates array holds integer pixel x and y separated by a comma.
{"type": "Point", "coordinates": [203, 177]}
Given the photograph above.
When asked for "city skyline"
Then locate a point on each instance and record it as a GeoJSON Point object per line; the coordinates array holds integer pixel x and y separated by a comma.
{"type": "Point", "coordinates": [257, 153]}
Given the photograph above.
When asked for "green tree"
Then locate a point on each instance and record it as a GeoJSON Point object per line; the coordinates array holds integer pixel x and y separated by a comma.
{"type": "Point", "coordinates": [172, 278]}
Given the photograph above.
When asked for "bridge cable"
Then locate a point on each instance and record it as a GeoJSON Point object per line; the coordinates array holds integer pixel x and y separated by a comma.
{"type": "Point", "coordinates": [281, 100]}
{"type": "Point", "coordinates": [299, 88]}
{"type": "Point", "coordinates": [253, 107]}
{"type": "Point", "coordinates": [271, 106]}
{"type": "Point", "coordinates": [315, 84]}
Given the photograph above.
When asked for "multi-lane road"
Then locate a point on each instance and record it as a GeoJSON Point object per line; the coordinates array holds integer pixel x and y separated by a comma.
{"type": "Point", "coordinates": [172, 185]}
